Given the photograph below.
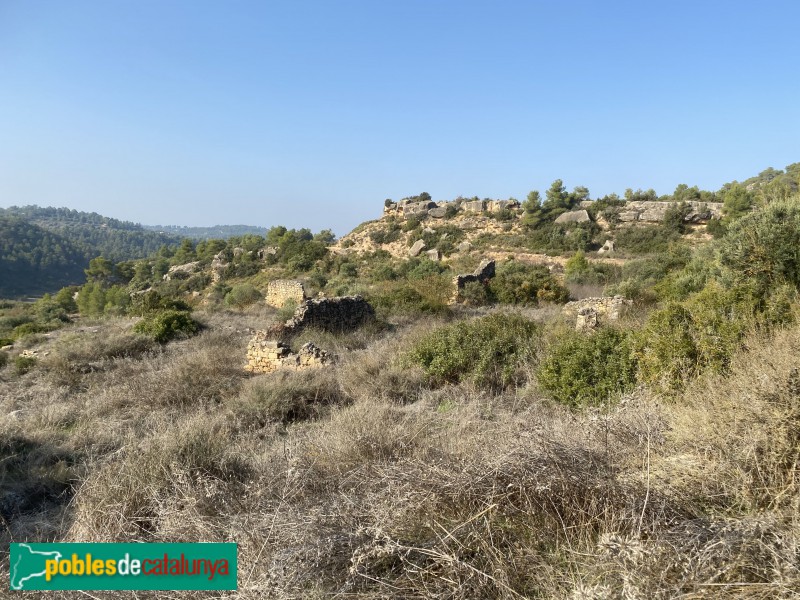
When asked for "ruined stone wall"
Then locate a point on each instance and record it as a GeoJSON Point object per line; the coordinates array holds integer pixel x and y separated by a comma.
{"type": "Point", "coordinates": [331, 314]}
{"type": "Point", "coordinates": [483, 273]}
{"type": "Point", "coordinates": [589, 312]}
{"type": "Point", "coordinates": [280, 291]}
{"type": "Point", "coordinates": [266, 356]}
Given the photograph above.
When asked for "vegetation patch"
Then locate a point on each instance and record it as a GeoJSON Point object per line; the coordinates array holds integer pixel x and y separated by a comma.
{"type": "Point", "coordinates": [489, 351]}
{"type": "Point", "coordinates": [589, 370]}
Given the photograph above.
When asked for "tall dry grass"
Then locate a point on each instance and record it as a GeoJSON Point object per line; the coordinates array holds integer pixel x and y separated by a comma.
{"type": "Point", "coordinates": [362, 482]}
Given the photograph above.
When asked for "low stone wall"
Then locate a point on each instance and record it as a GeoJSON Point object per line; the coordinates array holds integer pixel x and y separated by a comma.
{"type": "Point", "coordinates": [331, 314]}
{"type": "Point", "coordinates": [590, 312]}
{"type": "Point", "coordinates": [281, 291]}
{"type": "Point", "coordinates": [266, 356]}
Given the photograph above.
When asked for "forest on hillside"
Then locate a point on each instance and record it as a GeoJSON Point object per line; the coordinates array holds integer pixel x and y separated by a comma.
{"type": "Point", "coordinates": [44, 249]}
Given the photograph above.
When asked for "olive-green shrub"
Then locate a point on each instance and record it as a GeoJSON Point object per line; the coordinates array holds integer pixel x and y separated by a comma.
{"type": "Point", "coordinates": [581, 370]}
{"type": "Point", "coordinates": [516, 283]}
{"type": "Point", "coordinates": [165, 325]}
{"type": "Point", "coordinates": [488, 351]}
{"type": "Point", "coordinates": [242, 295]}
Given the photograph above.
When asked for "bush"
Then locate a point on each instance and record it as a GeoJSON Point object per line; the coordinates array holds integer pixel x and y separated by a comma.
{"type": "Point", "coordinates": [3, 359]}
{"type": "Point", "coordinates": [585, 370]}
{"type": "Point", "coordinates": [242, 295]}
{"type": "Point", "coordinates": [23, 364]}
{"type": "Point", "coordinates": [645, 240]}
{"type": "Point", "coordinates": [764, 247]}
{"type": "Point", "coordinates": [488, 351]}
{"type": "Point", "coordinates": [166, 325]}
{"type": "Point", "coordinates": [516, 283]}
{"type": "Point", "coordinates": [681, 341]}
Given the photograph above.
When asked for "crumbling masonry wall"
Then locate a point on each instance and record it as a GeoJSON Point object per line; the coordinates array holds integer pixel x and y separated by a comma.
{"type": "Point", "coordinates": [331, 314]}
{"type": "Point", "coordinates": [266, 356]}
{"type": "Point", "coordinates": [281, 291]}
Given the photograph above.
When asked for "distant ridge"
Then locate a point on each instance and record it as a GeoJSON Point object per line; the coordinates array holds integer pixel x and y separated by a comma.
{"type": "Point", "coordinates": [215, 232]}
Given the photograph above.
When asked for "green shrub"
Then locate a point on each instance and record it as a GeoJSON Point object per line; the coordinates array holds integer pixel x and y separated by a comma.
{"type": "Point", "coordinates": [242, 295]}
{"type": "Point", "coordinates": [580, 271]}
{"type": "Point", "coordinates": [426, 295]}
{"type": "Point", "coordinates": [583, 370]}
{"type": "Point", "coordinates": [516, 283]}
{"type": "Point", "coordinates": [6, 342]}
{"type": "Point", "coordinates": [488, 351]}
{"type": "Point", "coordinates": [681, 341]}
{"type": "Point", "coordinates": [475, 293]}
{"type": "Point", "coordinates": [764, 247]}
{"type": "Point", "coordinates": [166, 325]}
{"type": "Point", "coordinates": [3, 359]}
{"type": "Point", "coordinates": [648, 239]}
{"type": "Point", "coordinates": [23, 364]}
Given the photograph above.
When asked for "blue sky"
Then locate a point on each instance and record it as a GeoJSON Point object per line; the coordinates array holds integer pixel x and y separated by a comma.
{"type": "Point", "coordinates": [311, 113]}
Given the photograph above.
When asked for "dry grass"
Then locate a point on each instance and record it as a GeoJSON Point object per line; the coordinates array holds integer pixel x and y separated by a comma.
{"type": "Point", "coordinates": [361, 482]}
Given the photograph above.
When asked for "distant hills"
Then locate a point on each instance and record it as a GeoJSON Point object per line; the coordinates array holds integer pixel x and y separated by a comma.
{"type": "Point", "coordinates": [44, 249]}
{"type": "Point", "coordinates": [217, 232]}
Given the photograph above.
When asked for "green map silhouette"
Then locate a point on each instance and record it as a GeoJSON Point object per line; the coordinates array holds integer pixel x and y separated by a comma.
{"type": "Point", "coordinates": [27, 563]}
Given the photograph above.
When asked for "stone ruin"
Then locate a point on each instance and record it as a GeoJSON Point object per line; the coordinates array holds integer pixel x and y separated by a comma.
{"type": "Point", "coordinates": [266, 356]}
{"type": "Point", "coordinates": [331, 314]}
{"type": "Point", "coordinates": [591, 312]}
{"type": "Point", "coordinates": [281, 291]}
{"type": "Point", "coordinates": [483, 273]}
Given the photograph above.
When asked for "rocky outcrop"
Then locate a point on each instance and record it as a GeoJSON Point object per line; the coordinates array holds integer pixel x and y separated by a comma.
{"type": "Point", "coordinates": [607, 248]}
{"type": "Point", "coordinates": [344, 313]}
{"type": "Point", "coordinates": [654, 212]}
{"type": "Point", "coordinates": [573, 216]}
{"type": "Point", "coordinates": [265, 356]}
{"type": "Point", "coordinates": [281, 291]}
{"type": "Point", "coordinates": [484, 272]}
{"type": "Point", "coordinates": [182, 271]}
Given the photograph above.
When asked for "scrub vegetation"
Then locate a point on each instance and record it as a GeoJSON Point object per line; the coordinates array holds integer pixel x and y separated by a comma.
{"type": "Point", "coordinates": [478, 450]}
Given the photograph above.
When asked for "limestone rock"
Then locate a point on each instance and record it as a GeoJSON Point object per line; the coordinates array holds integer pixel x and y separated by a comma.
{"type": "Point", "coordinates": [418, 247]}
{"type": "Point", "coordinates": [464, 247]}
{"type": "Point", "coordinates": [607, 248]}
{"type": "Point", "coordinates": [181, 271]}
{"type": "Point", "coordinates": [433, 255]}
{"type": "Point", "coordinates": [574, 216]}
{"type": "Point", "coordinates": [438, 213]}
{"type": "Point", "coordinates": [474, 206]}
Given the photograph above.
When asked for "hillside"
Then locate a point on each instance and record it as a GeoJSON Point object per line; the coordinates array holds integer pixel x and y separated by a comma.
{"type": "Point", "coordinates": [44, 249]}
{"type": "Point", "coordinates": [555, 398]}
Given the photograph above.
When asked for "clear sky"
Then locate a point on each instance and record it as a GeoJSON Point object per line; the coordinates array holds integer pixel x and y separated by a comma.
{"type": "Point", "coordinates": [312, 112]}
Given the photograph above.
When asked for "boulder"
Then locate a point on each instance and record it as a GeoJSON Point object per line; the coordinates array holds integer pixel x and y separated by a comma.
{"type": "Point", "coordinates": [437, 213]}
{"type": "Point", "coordinates": [418, 247]}
{"type": "Point", "coordinates": [607, 247]}
{"type": "Point", "coordinates": [433, 255]}
{"type": "Point", "coordinates": [474, 206]}
{"type": "Point", "coordinates": [181, 271]}
{"type": "Point", "coordinates": [485, 270]}
{"type": "Point", "coordinates": [464, 247]}
{"type": "Point", "coordinates": [574, 216]}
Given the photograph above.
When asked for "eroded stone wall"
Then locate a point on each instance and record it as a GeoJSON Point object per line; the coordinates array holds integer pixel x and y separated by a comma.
{"type": "Point", "coordinates": [483, 273]}
{"type": "Point", "coordinates": [331, 314]}
{"type": "Point", "coordinates": [590, 312]}
{"type": "Point", "coordinates": [281, 291]}
{"type": "Point", "coordinates": [265, 356]}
